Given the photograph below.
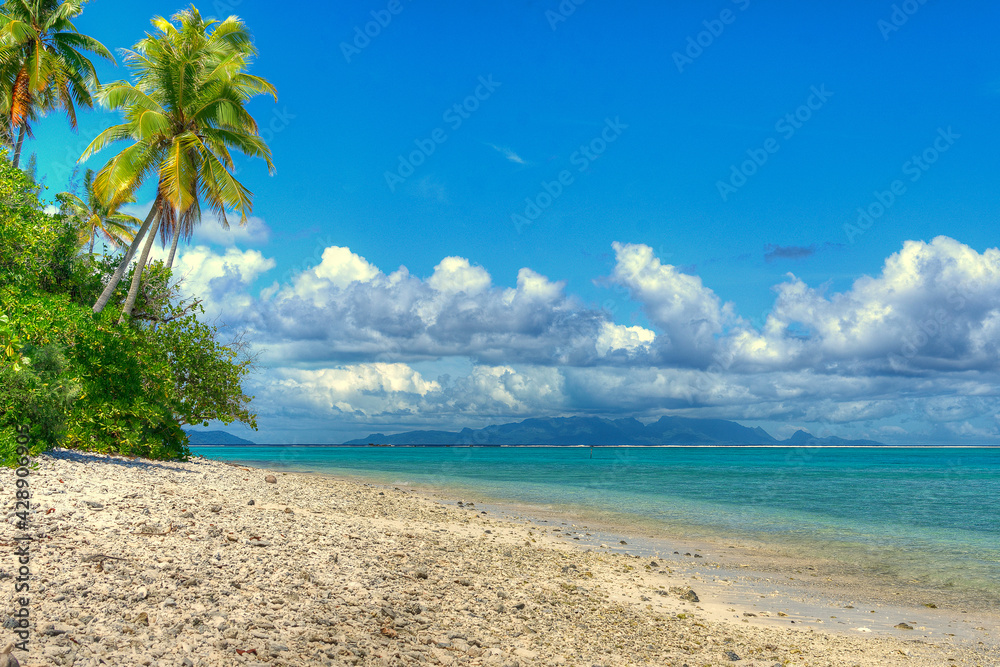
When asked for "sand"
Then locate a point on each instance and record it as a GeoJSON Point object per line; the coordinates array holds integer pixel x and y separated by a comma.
{"type": "Point", "coordinates": [137, 562]}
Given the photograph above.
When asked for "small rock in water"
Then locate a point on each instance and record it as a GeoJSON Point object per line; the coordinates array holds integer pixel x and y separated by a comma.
{"type": "Point", "coordinates": [903, 626]}
{"type": "Point", "coordinates": [271, 479]}
{"type": "Point", "coordinates": [622, 542]}
{"type": "Point", "coordinates": [687, 594]}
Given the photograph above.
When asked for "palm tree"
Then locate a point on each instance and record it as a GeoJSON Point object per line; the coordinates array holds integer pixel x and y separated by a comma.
{"type": "Point", "coordinates": [42, 66]}
{"type": "Point", "coordinates": [183, 114]}
{"type": "Point", "coordinates": [97, 217]}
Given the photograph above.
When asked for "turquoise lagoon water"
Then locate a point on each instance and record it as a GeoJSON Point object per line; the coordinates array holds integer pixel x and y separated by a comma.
{"type": "Point", "coordinates": [925, 517]}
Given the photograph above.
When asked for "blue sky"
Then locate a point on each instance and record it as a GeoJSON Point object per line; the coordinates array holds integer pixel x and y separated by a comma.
{"type": "Point", "coordinates": [721, 145]}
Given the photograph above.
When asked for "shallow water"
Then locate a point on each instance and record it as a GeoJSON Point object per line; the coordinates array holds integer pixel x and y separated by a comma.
{"type": "Point", "coordinates": [924, 516]}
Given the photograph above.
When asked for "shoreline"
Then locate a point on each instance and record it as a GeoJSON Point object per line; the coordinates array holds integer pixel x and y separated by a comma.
{"type": "Point", "coordinates": [749, 569]}
{"type": "Point", "coordinates": [755, 554]}
{"type": "Point", "coordinates": [322, 570]}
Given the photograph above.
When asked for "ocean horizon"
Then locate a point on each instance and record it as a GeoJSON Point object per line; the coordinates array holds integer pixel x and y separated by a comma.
{"type": "Point", "coordinates": [922, 517]}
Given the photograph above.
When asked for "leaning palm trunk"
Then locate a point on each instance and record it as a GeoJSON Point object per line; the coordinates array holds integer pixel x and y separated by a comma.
{"type": "Point", "coordinates": [109, 289]}
{"type": "Point", "coordinates": [133, 291]}
{"type": "Point", "coordinates": [173, 248]}
{"type": "Point", "coordinates": [20, 142]}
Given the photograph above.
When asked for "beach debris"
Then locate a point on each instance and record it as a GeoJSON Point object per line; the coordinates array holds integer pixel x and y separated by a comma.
{"type": "Point", "coordinates": [732, 656]}
{"type": "Point", "coordinates": [271, 479]}
{"type": "Point", "coordinates": [93, 504]}
{"type": "Point", "coordinates": [215, 508]}
{"type": "Point", "coordinates": [863, 629]}
{"type": "Point", "coordinates": [930, 605]}
{"type": "Point", "coordinates": [251, 503]}
{"type": "Point", "coordinates": [7, 659]}
{"type": "Point", "coordinates": [389, 632]}
{"type": "Point", "coordinates": [622, 542]}
{"type": "Point", "coordinates": [903, 626]}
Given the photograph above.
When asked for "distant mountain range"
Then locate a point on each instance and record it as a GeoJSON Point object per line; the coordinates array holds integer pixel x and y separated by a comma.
{"type": "Point", "coordinates": [215, 438]}
{"type": "Point", "coordinates": [598, 431]}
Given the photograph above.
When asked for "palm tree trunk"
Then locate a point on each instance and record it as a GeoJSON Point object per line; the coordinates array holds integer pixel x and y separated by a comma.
{"type": "Point", "coordinates": [140, 266]}
{"type": "Point", "coordinates": [92, 237]}
{"type": "Point", "coordinates": [112, 285]}
{"type": "Point", "coordinates": [173, 246]}
{"type": "Point", "coordinates": [17, 147]}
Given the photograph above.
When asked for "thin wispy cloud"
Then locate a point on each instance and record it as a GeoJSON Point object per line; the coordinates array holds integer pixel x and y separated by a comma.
{"type": "Point", "coordinates": [509, 154]}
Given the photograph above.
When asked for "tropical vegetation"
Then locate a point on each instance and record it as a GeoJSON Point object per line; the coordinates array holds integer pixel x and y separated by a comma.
{"type": "Point", "coordinates": [80, 379]}
{"type": "Point", "coordinates": [77, 375]}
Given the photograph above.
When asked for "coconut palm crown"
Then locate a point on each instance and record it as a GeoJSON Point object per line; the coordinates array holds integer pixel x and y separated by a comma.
{"type": "Point", "coordinates": [42, 64]}
{"type": "Point", "coordinates": [98, 218]}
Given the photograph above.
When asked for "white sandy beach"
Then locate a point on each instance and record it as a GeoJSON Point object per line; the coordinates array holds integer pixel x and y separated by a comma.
{"type": "Point", "coordinates": [139, 562]}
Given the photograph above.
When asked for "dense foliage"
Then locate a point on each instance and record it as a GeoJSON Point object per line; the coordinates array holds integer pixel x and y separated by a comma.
{"type": "Point", "coordinates": [78, 378]}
